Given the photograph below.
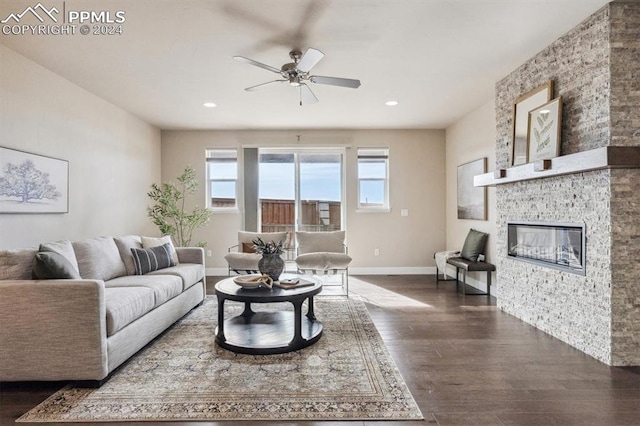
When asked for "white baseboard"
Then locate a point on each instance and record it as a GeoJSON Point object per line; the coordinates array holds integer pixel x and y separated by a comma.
{"type": "Point", "coordinates": [391, 270]}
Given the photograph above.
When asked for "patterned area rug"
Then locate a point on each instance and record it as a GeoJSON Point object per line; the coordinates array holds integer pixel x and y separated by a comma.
{"type": "Point", "coordinates": [182, 376]}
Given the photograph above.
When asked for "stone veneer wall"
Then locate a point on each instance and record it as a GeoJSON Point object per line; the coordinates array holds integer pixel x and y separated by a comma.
{"type": "Point", "coordinates": [595, 69]}
{"type": "Point", "coordinates": [625, 184]}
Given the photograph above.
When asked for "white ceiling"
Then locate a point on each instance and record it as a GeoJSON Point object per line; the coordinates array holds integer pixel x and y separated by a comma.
{"type": "Point", "coordinates": [439, 58]}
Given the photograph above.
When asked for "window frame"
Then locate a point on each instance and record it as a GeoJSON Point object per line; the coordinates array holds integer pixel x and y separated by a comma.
{"type": "Point", "coordinates": [370, 153]}
{"type": "Point", "coordinates": [210, 158]}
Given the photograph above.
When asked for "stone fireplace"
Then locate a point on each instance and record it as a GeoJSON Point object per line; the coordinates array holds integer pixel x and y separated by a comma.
{"type": "Point", "coordinates": [595, 69]}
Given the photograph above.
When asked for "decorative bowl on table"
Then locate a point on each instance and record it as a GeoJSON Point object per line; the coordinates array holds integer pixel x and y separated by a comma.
{"type": "Point", "coordinates": [253, 281]}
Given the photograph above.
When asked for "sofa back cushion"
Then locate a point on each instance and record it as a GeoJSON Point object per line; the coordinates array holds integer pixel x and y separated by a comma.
{"type": "Point", "coordinates": [17, 264]}
{"type": "Point", "coordinates": [63, 248]}
{"type": "Point", "coordinates": [99, 259]}
{"type": "Point", "coordinates": [125, 244]}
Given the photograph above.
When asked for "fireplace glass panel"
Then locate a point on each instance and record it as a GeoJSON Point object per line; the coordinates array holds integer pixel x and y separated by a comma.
{"type": "Point", "coordinates": [556, 245]}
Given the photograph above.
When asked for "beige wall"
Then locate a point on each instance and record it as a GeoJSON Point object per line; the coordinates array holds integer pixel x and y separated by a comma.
{"type": "Point", "coordinates": [417, 183]}
{"type": "Point", "coordinates": [113, 156]}
{"type": "Point", "coordinates": [471, 138]}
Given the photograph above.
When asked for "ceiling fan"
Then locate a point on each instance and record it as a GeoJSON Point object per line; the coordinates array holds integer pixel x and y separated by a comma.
{"type": "Point", "coordinates": [296, 73]}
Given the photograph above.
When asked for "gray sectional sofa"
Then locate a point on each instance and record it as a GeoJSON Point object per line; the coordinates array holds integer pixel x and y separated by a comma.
{"type": "Point", "coordinates": [84, 328]}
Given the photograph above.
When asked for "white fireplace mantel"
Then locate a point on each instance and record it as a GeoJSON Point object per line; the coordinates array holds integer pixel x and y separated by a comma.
{"type": "Point", "coordinates": [595, 159]}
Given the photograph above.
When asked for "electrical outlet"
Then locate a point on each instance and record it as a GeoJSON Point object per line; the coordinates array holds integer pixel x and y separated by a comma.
{"type": "Point", "coordinates": [376, 252]}
{"type": "Point", "coordinates": [208, 253]}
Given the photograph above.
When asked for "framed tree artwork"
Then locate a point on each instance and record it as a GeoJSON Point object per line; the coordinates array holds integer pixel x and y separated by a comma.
{"type": "Point", "coordinates": [543, 134]}
{"type": "Point", "coordinates": [521, 107]}
{"type": "Point", "coordinates": [31, 183]}
{"type": "Point", "coordinates": [472, 200]}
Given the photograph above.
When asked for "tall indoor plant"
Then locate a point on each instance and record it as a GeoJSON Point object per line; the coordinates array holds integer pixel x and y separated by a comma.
{"type": "Point", "coordinates": [168, 212]}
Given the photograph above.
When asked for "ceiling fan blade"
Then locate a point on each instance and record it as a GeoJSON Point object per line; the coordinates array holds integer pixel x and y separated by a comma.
{"type": "Point", "coordinates": [335, 81]}
{"type": "Point", "coordinates": [258, 86]}
{"type": "Point", "coordinates": [306, 95]}
{"type": "Point", "coordinates": [257, 64]}
{"type": "Point", "coordinates": [310, 58]}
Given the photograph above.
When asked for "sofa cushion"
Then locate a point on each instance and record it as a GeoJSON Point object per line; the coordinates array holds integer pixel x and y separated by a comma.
{"type": "Point", "coordinates": [189, 273]}
{"type": "Point", "coordinates": [313, 242]}
{"type": "Point", "coordinates": [17, 264]}
{"type": "Point", "coordinates": [52, 266]}
{"type": "Point", "coordinates": [148, 242]}
{"type": "Point", "coordinates": [99, 258]}
{"type": "Point", "coordinates": [152, 259]}
{"type": "Point", "coordinates": [63, 248]}
{"type": "Point", "coordinates": [243, 261]}
{"type": "Point", "coordinates": [125, 244]}
{"type": "Point", "coordinates": [125, 305]}
{"type": "Point", "coordinates": [323, 261]}
{"type": "Point", "coordinates": [164, 287]}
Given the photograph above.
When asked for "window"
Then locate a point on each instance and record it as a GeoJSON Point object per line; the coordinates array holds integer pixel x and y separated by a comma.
{"type": "Point", "coordinates": [222, 179]}
{"type": "Point", "coordinates": [373, 179]}
{"type": "Point", "coordinates": [301, 189]}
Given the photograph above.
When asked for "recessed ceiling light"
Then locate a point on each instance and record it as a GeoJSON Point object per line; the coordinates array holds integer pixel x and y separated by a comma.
{"type": "Point", "coordinates": [210, 104]}
{"type": "Point", "coordinates": [391, 103]}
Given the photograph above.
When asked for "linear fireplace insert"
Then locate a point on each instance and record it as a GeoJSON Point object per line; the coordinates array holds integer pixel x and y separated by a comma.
{"type": "Point", "coordinates": [554, 245]}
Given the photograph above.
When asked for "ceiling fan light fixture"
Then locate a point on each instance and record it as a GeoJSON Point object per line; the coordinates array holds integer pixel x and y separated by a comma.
{"type": "Point", "coordinates": [296, 73]}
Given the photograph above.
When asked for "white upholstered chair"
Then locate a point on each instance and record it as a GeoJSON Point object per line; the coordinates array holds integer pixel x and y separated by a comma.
{"type": "Point", "coordinates": [323, 253]}
{"type": "Point", "coordinates": [242, 258]}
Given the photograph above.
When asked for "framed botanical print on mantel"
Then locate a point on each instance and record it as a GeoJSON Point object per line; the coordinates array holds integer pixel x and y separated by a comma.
{"type": "Point", "coordinates": [543, 135]}
{"type": "Point", "coordinates": [521, 107]}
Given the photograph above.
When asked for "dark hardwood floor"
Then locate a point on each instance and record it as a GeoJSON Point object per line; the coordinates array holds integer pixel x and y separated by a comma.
{"type": "Point", "coordinates": [465, 362]}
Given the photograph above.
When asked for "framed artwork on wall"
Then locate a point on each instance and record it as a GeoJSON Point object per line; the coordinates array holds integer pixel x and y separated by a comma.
{"type": "Point", "coordinates": [472, 200]}
{"type": "Point", "coordinates": [543, 131]}
{"type": "Point", "coordinates": [31, 183]}
{"type": "Point", "coordinates": [521, 107]}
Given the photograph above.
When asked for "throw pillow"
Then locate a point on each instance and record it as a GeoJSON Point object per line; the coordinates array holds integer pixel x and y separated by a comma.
{"type": "Point", "coordinates": [248, 248]}
{"type": "Point", "coordinates": [48, 265]}
{"type": "Point", "coordinates": [152, 259]}
{"type": "Point", "coordinates": [474, 245]}
{"type": "Point", "coordinates": [125, 244]}
{"type": "Point", "coordinates": [64, 248]}
{"type": "Point", "coordinates": [148, 242]}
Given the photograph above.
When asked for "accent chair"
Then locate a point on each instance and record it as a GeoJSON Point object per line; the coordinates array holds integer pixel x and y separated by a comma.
{"type": "Point", "coordinates": [323, 253]}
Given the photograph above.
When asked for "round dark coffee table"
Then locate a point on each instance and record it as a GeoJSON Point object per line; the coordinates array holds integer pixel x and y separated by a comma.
{"type": "Point", "coordinates": [267, 332]}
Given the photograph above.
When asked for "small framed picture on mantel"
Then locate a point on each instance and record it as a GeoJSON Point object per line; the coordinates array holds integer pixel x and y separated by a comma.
{"type": "Point", "coordinates": [543, 131]}
{"type": "Point", "coordinates": [521, 107]}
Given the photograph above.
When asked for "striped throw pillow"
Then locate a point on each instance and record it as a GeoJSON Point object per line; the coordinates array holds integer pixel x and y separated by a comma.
{"type": "Point", "coordinates": [152, 259]}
